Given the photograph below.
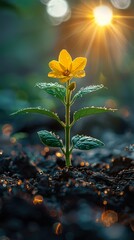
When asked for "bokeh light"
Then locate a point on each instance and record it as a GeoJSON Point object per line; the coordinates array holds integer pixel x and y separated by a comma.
{"type": "Point", "coordinates": [121, 4]}
{"type": "Point", "coordinates": [38, 199]}
{"type": "Point", "coordinates": [58, 10]}
{"type": "Point", "coordinates": [7, 129]}
{"type": "Point", "coordinates": [109, 217]}
{"type": "Point", "coordinates": [103, 15]}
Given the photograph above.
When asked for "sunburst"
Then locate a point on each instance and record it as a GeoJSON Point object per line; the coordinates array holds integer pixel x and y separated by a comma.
{"type": "Point", "coordinates": [101, 32]}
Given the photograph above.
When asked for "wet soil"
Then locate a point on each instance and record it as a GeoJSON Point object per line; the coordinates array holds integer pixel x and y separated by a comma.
{"type": "Point", "coordinates": [42, 199]}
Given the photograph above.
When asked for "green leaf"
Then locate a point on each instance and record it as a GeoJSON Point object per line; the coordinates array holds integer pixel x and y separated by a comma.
{"type": "Point", "coordinates": [90, 111]}
{"type": "Point", "coordinates": [40, 111]}
{"type": "Point", "coordinates": [86, 142]}
{"type": "Point", "coordinates": [86, 90]}
{"type": "Point", "coordinates": [50, 139]}
{"type": "Point", "coordinates": [55, 89]}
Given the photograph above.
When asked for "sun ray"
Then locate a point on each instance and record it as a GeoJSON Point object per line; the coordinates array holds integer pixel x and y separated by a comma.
{"type": "Point", "coordinates": [125, 25]}
{"type": "Point", "coordinates": [100, 41]}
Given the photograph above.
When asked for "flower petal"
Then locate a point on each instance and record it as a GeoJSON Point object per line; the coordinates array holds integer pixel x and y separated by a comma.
{"type": "Point", "coordinates": [79, 64]}
{"type": "Point", "coordinates": [65, 59]}
{"type": "Point", "coordinates": [55, 75]}
{"type": "Point", "coordinates": [79, 74]}
{"type": "Point", "coordinates": [55, 66]}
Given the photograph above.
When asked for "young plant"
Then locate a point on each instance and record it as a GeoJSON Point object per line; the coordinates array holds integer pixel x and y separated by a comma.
{"type": "Point", "coordinates": [65, 69]}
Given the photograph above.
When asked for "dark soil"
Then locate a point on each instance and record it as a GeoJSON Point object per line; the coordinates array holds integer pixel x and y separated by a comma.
{"type": "Point", "coordinates": [41, 199]}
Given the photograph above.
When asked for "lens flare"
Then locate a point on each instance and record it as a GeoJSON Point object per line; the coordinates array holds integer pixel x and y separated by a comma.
{"type": "Point", "coordinates": [58, 11]}
{"type": "Point", "coordinates": [57, 8]}
{"type": "Point", "coordinates": [103, 15]}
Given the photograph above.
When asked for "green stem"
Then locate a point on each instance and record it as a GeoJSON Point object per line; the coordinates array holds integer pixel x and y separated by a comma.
{"type": "Point", "coordinates": [67, 125]}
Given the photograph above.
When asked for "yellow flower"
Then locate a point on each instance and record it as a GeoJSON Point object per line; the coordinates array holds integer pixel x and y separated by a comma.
{"type": "Point", "coordinates": [66, 68]}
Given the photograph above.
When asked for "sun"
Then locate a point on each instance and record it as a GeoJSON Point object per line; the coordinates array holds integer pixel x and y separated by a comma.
{"type": "Point", "coordinates": [101, 33]}
{"type": "Point", "coordinates": [103, 15]}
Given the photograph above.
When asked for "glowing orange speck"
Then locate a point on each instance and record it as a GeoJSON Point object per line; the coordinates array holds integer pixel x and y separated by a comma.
{"type": "Point", "coordinates": [46, 149]}
{"type": "Point", "coordinates": [104, 202]}
{"type": "Point", "coordinates": [58, 154]}
{"type": "Point", "coordinates": [57, 228]}
{"type": "Point", "coordinates": [1, 151]}
{"type": "Point", "coordinates": [82, 164]}
{"type": "Point", "coordinates": [107, 166]}
{"type": "Point", "coordinates": [105, 191]}
{"type": "Point", "coordinates": [19, 182]}
{"type": "Point", "coordinates": [99, 193]}
{"type": "Point", "coordinates": [109, 217]}
{"type": "Point", "coordinates": [38, 199]}
{"type": "Point", "coordinates": [10, 190]}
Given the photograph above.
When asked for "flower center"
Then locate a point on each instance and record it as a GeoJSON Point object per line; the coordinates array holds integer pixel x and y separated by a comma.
{"type": "Point", "coordinates": [66, 72]}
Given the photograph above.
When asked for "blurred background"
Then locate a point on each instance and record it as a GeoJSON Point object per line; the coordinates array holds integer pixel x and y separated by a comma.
{"type": "Point", "coordinates": [34, 31]}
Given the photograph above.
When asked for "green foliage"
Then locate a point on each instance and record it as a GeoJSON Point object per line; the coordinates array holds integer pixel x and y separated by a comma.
{"type": "Point", "coordinates": [84, 112]}
{"type": "Point", "coordinates": [85, 142]}
{"type": "Point", "coordinates": [85, 90]}
{"type": "Point", "coordinates": [64, 95]}
{"type": "Point", "coordinates": [50, 139]}
{"type": "Point", "coordinates": [54, 89]}
{"type": "Point", "coordinates": [40, 111]}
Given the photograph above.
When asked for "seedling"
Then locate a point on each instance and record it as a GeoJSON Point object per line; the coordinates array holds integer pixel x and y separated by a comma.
{"type": "Point", "coordinates": [65, 69]}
